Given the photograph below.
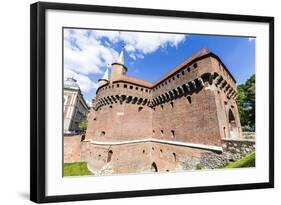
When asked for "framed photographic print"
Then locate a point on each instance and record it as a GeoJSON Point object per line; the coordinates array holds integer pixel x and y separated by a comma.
{"type": "Point", "coordinates": [129, 102]}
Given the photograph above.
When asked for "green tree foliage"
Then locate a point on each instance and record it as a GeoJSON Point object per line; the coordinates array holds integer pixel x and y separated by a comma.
{"type": "Point", "coordinates": [246, 103]}
{"type": "Point", "coordinates": [83, 125]}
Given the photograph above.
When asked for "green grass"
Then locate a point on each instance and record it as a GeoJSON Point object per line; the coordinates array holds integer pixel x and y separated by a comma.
{"type": "Point", "coordinates": [247, 161]}
{"type": "Point", "coordinates": [76, 169]}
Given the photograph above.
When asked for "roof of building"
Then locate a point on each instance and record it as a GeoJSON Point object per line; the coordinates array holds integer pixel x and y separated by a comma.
{"type": "Point", "coordinates": [71, 83]}
{"type": "Point", "coordinates": [174, 70]}
{"type": "Point", "coordinates": [200, 54]}
{"type": "Point", "coordinates": [105, 75]}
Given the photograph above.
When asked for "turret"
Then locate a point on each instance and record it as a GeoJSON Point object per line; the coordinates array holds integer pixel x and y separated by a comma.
{"type": "Point", "coordinates": [105, 79]}
{"type": "Point", "coordinates": [118, 68]}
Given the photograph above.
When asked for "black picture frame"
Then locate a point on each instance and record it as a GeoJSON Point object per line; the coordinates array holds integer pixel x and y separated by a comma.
{"type": "Point", "coordinates": [38, 101]}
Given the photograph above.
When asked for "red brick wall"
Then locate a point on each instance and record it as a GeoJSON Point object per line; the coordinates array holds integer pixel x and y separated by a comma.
{"type": "Point", "coordinates": [136, 158]}
{"type": "Point", "coordinates": [72, 148]}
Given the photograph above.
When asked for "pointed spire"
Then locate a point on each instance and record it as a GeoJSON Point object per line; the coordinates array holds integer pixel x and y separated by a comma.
{"type": "Point", "coordinates": [105, 75]}
{"type": "Point", "coordinates": [121, 57]}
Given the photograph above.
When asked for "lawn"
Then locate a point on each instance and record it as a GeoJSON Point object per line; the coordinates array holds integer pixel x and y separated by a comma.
{"type": "Point", "coordinates": [76, 169]}
{"type": "Point", "coordinates": [247, 161]}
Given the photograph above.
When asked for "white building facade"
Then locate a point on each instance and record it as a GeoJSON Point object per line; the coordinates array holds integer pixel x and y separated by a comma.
{"type": "Point", "coordinates": [75, 107]}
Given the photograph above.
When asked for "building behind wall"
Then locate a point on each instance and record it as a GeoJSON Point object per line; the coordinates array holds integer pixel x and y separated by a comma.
{"type": "Point", "coordinates": [138, 126]}
{"type": "Point", "coordinates": [75, 107]}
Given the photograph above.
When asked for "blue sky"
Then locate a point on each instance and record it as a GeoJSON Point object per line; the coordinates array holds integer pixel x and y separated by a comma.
{"type": "Point", "coordinates": [148, 56]}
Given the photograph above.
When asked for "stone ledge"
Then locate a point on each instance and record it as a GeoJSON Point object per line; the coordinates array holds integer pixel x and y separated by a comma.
{"type": "Point", "coordinates": [191, 145]}
{"type": "Point", "coordinates": [238, 140]}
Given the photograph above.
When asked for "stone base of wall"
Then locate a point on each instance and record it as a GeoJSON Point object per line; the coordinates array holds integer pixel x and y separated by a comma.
{"type": "Point", "coordinates": [235, 149]}
{"type": "Point", "coordinates": [140, 157]}
{"type": "Point", "coordinates": [72, 148]}
{"type": "Point", "coordinates": [146, 157]}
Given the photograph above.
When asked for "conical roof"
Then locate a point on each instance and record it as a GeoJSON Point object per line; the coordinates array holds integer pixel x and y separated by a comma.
{"type": "Point", "coordinates": [105, 75]}
{"type": "Point", "coordinates": [121, 57]}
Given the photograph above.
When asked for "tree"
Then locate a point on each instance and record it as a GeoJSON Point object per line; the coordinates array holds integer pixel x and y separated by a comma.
{"type": "Point", "coordinates": [246, 103]}
{"type": "Point", "coordinates": [83, 125]}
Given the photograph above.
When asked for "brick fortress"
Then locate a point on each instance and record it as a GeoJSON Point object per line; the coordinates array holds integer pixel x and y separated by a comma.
{"type": "Point", "coordinates": [136, 126]}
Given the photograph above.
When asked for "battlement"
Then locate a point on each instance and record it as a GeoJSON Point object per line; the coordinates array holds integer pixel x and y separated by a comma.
{"type": "Point", "coordinates": [193, 74]}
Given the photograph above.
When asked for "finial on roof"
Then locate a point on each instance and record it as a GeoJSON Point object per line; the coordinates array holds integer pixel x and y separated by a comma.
{"type": "Point", "coordinates": [121, 56]}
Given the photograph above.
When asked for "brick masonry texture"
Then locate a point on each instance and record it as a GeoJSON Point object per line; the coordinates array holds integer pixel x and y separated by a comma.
{"type": "Point", "coordinates": [194, 104]}
{"type": "Point", "coordinates": [72, 148]}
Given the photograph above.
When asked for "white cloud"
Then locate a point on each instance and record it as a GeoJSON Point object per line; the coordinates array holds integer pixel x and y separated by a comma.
{"type": "Point", "coordinates": [139, 43]}
{"type": "Point", "coordinates": [90, 51]}
{"type": "Point", "coordinates": [85, 54]}
{"type": "Point", "coordinates": [84, 82]}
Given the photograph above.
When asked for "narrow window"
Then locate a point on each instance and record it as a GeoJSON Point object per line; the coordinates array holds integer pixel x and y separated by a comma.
{"type": "Point", "coordinates": [125, 86]}
{"type": "Point", "coordinates": [162, 132]}
{"type": "Point", "coordinates": [162, 107]}
{"type": "Point", "coordinates": [117, 85]}
{"type": "Point", "coordinates": [102, 133]}
{"type": "Point", "coordinates": [143, 151]}
{"type": "Point", "coordinates": [178, 75]}
{"type": "Point", "coordinates": [173, 133]}
{"type": "Point", "coordinates": [141, 89]}
{"type": "Point", "coordinates": [109, 155]}
{"type": "Point", "coordinates": [137, 88]}
{"type": "Point", "coordinates": [140, 109]}
{"type": "Point", "coordinates": [172, 104]}
{"type": "Point", "coordinates": [188, 99]}
{"type": "Point", "coordinates": [195, 65]}
{"type": "Point", "coordinates": [182, 72]}
{"type": "Point", "coordinates": [95, 118]}
{"type": "Point", "coordinates": [174, 157]}
{"type": "Point", "coordinates": [131, 87]}
{"type": "Point", "coordinates": [110, 106]}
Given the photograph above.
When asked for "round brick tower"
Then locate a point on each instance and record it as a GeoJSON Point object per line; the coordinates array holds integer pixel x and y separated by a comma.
{"type": "Point", "coordinates": [118, 68]}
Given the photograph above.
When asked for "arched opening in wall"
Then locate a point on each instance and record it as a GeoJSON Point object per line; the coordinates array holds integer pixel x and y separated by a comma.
{"type": "Point", "coordinates": [233, 129]}
{"type": "Point", "coordinates": [162, 107]}
{"type": "Point", "coordinates": [143, 151]}
{"type": "Point", "coordinates": [109, 155]}
{"type": "Point", "coordinates": [172, 104]}
{"type": "Point", "coordinates": [174, 157]}
{"type": "Point", "coordinates": [140, 109]}
{"type": "Point", "coordinates": [154, 167]}
{"type": "Point", "coordinates": [95, 118]}
{"type": "Point", "coordinates": [162, 132]}
{"type": "Point", "coordinates": [173, 134]}
{"type": "Point", "coordinates": [195, 65]}
{"type": "Point", "coordinates": [83, 137]}
{"type": "Point", "coordinates": [102, 133]}
{"type": "Point", "coordinates": [110, 106]}
{"type": "Point", "coordinates": [188, 99]}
